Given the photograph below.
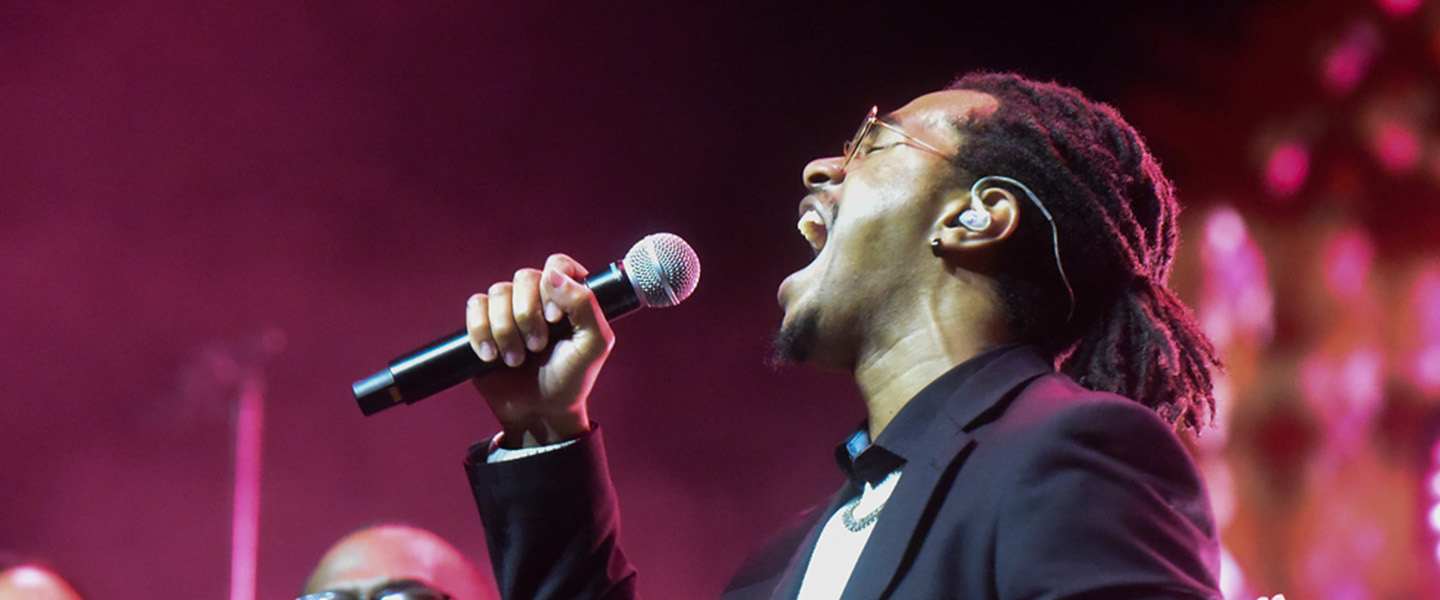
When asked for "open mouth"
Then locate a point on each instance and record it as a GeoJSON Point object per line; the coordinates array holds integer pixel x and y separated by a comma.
{"type": "Point", "coordinates": [814, 227]}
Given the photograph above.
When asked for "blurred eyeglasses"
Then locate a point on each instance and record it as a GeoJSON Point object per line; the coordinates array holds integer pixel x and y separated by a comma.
{"type": "Point", "coordinates": [404, 590]}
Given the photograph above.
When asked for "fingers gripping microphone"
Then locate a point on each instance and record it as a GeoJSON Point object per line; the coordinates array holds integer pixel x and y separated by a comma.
{"type": "Point", "coordinates": [659, 271]}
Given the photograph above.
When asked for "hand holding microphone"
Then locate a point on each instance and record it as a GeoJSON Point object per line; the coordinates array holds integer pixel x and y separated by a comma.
{"type": "Point", "coordinates": [551, 332]}
{"type": "Point", "coordinates": [540, 398]}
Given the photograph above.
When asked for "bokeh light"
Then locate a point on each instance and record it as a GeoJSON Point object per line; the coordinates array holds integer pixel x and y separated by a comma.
{"type": "Point", "coordinates": [1399, 8]}
{"type": "Point", "coordinates": [1348, 257]}
{"type": "Point", "coordinates": [1287, 170]}
{"type": "Point", "coordinates": [1423, 308]}
{"type": "Point", "coordinates": [1347, 62]}
{"type": "Point", "coordinates": [1236, 299]}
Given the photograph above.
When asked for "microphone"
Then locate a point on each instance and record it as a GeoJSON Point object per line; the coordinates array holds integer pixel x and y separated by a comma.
{"type": "Point", "coordinates": [660, 270]}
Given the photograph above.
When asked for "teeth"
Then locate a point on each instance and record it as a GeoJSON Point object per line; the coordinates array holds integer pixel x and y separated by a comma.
{"type": "Point", "coordinates": [812, 226]}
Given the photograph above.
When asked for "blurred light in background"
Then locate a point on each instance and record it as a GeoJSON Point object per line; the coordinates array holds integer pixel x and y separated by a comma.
{"type": "Point", "coordinates": [1396, 146]}
{"type": "Point", "coordinates": [1287, 169]}
{"type": "Point", "coordinates": [1347, 260]}
{"type": "Point", "coordinates": [1424, 311]}
{"type": "Point", "coordinates": [1347, 61]}
{"type": "Point", "coordinates": [1398, 8]}
{"type": "Point", "coordinates": [1434, 499]}
{"type": "Point", "coordinates": [1235, 300]}
{"type": "Point", "coordinates": [1390, 125]}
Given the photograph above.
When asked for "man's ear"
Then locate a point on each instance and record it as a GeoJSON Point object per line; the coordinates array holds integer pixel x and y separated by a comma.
{"type": "Point", "coordinates": [972, 222]}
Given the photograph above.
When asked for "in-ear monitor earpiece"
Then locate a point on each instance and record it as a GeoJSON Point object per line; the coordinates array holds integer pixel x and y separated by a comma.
{"type": "Point", "coordinates": [975, 219]}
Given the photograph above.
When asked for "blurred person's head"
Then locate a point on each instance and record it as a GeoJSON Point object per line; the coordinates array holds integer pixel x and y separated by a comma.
{"type": "Point", "coordinates": [396, 561]}
{"type": "Point", "coordinates": [30, 580]}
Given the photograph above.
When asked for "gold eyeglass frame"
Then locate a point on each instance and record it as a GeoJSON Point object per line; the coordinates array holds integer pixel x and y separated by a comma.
{"type": "Point", "coordinates": [872, 119]}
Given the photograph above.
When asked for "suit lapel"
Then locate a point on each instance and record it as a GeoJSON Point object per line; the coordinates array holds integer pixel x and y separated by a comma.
{"type": "Point", "coordinates": [891, 540]}
{"type": "Point", "coordinates": [936, 455]}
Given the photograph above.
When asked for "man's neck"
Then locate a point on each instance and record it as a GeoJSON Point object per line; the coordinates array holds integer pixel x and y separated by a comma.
{"type": "Point", "coordinates": [949, 324]}
{"type": "Point", "coordinates": [890, 377]}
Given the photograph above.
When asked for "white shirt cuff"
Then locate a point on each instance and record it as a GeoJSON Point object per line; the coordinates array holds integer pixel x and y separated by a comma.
{"type": "Point", "coordinates": [498, 454]}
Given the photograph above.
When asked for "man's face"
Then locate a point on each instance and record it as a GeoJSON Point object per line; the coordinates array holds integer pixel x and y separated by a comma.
{"type": "Point", "coordinates": [871, 224]}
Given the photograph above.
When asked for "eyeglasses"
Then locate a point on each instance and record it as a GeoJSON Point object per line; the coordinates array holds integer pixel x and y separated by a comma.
{"type": "Point", "coordinates": [401, 590]}
{"type": "Point", "coordinates": [852, 147]}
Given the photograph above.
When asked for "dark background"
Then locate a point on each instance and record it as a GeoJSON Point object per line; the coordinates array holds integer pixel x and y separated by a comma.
{"type": "Point", "coordinates": [306, 189]}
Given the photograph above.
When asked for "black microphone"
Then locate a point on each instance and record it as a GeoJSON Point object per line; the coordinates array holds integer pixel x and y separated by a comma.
{"type": "Point", "coordinates": [659, 271]}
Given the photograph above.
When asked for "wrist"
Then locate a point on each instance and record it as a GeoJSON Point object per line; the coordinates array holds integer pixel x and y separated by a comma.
{"type": "Point", "coordinates": [544, 431]}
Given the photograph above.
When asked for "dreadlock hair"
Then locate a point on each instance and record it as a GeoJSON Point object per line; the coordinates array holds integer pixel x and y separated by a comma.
{"type": "Point", "coordinates": [1115, 216]}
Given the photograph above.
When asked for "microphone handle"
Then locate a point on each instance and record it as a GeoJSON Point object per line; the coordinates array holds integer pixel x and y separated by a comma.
{"type": "Point", "coordinates": [450, 361]}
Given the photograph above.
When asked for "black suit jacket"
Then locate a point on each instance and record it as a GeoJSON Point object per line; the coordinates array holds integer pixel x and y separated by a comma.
{"type": "Point", "coordinates": [1016, 483]}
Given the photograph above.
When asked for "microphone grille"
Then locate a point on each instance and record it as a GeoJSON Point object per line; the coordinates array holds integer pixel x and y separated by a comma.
{"type": "Point", "coordinates": [663, 269]}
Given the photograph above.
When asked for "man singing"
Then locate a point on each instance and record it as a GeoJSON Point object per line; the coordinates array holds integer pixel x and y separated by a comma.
{"type": "Point", "coordinates": [990, 266]}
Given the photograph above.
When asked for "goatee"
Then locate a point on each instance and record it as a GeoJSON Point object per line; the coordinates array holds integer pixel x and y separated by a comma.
{"type": "Point", "coordinates": [794, 341]}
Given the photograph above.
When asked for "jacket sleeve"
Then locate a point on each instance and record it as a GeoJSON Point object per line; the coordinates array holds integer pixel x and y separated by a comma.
{"type": "Point", "coordinates": [1106, 503]}
{"type": "Point", "coordinates": [552, 523]}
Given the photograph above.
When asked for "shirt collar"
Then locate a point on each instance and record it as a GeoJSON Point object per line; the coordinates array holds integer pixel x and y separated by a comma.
{"type": "Point", "coordinates": [864, 461]}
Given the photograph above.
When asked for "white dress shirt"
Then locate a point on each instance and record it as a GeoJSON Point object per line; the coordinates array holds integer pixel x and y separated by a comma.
{"type": "Point", "coordinates": [838, 548]}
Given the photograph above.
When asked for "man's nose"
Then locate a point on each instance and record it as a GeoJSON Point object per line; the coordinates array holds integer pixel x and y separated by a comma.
{"type": "Point", "coordinates": [824, 171]}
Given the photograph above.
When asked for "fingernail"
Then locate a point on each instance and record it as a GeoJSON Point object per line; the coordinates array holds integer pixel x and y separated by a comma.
{"type": "Point", "coordinates": [487, 351]}
{"type": "Point", "coordinates": [514, 357]}
{"type": "Point", "coordinates": [552, 312]}
{"type": "Point", "coordinates": [473, 302]}
{"type": "Point", "coordinates": [557, 279]}
{"type": "Point", "coordinates": [535, 343]}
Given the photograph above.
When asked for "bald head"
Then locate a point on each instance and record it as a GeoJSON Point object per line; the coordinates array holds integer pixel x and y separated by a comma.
{"type": "Point", "coordinates": [369, 559]}
{"type": "Point", "coordinates": [31, 582]}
